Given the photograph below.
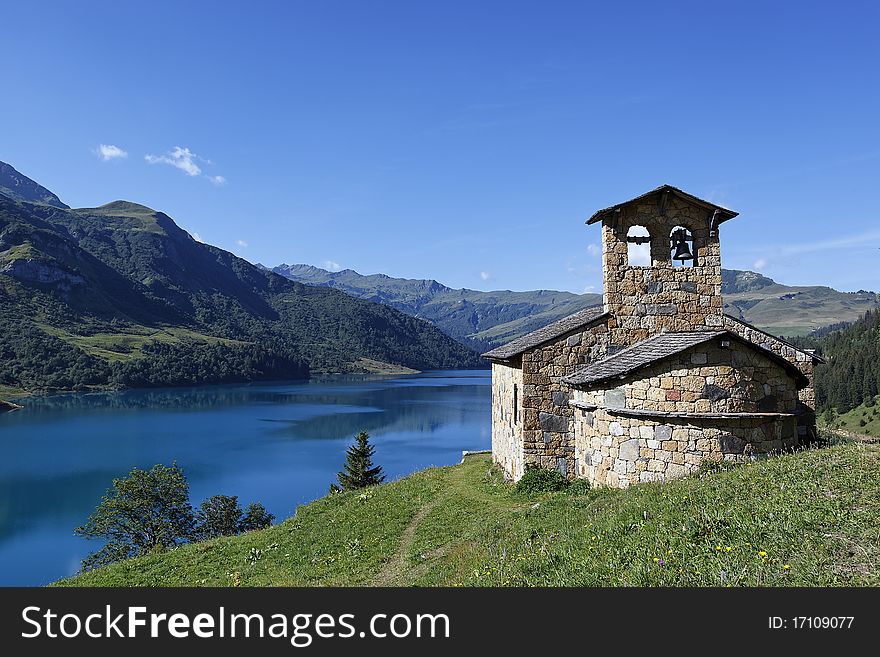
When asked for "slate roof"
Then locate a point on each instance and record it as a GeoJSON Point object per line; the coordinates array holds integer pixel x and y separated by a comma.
{"type": "Point", "coordinates": [647, 352]}
{"type": "Point", "coordinates": [814, 356]}
{"type": "Point", "coordinates": [550, 332]}
{"type": "Point", "coordinates": [723, 213]}
{"type": "Point", "coordinates": [639, 355]}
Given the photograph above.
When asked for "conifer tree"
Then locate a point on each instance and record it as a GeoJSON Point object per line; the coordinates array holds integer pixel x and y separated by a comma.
{"type": "Point", "coordinates": [359, 470]}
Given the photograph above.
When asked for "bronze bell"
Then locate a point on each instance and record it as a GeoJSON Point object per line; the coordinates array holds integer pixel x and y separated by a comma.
{"type": "Point", "coordinates": [682, 251]}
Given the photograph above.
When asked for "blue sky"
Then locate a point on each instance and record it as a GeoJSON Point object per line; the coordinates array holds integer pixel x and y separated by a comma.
{"type": "Point", "coordinates": [461, 141]}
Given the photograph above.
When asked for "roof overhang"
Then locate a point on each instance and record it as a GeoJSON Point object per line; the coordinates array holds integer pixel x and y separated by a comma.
{"type": "Point", "coordinates": [720, 214]}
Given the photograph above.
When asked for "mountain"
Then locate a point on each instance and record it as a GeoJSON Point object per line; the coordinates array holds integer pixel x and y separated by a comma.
{"type": "Point", "coordinates": [19, 187]}
{"type": "Point", "coordinates": [478, 319]}
{"type": "Point", "coordinates": [483, 320]}
{"type": "Point", "coordinates": [120, 295]}
{"type": "Point", "coordinates": [790, 310]}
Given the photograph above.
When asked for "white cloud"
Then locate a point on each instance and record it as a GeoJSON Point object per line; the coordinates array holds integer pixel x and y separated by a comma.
{"type": "Point", "coordinates": [594, 250]}
{"type": "Point", "coordinates": [197, 237]}
{"type": "Point", "coordinates": [109, 152]}
{"type": "Point", "coordinates": [484, 275]}
{"type": "Point", "coordinates": [241, 243]}
{"type": "Point", "coordinates": [759, 264]}
{"type": "Point", "coordinates": [332, 266]}
{"type": "Point", "coordinates": [589, 288]}
{"type": "Point", "coordinates": [181, 158]}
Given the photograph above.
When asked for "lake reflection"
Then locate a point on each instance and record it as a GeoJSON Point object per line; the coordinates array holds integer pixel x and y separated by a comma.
{"type": "Point", "coordinates": [280, 444]}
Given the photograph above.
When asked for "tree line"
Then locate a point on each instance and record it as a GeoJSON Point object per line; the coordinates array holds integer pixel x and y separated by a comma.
{"type": "Point", "coordinates": [149, 511]}
{"type": "Point", "coordinates": [33, 360]}
{"type": "Point", "coordinates": [851, 375]}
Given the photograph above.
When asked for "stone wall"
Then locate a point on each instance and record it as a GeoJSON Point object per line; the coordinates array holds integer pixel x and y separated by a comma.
{"type": "Point", "coordinates": [618, 451]}
{"type": "Point", "coordinates": [614, 448]}
{"type": "Point", "coordinates": [507, 443]}
{"type": "Point", "coordinates": [662, 297]}
{"type": "Point", "coordinates": [547, 432]}
{"type": "Point", "coordinates": [806, 424]}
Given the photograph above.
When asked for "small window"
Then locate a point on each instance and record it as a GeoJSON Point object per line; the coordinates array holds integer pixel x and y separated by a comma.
{"type": "Point", "coordinates": [515, 404]}
{"type": "Point", "coordinates": [638, 252]}
{"type": "Point", "coordinates": [681, 246]}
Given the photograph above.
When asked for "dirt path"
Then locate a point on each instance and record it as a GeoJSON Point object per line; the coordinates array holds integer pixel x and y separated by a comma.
{"type": "Point", "coordinates": [396, 565]}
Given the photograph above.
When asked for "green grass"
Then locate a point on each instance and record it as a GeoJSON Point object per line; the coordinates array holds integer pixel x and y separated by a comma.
{"type": "Point", "coordinates": [128, 216]}
{"type": "Point", "coordinates": [805, 519]}
{"type": "Point", "coordinates": [23, 251]}
{"type": "Point", "coordinates": [127, 343]}
{"type": "Point", "coordinates": [9, 392]}
{"type": "Point", "coordinates": [852, 421]}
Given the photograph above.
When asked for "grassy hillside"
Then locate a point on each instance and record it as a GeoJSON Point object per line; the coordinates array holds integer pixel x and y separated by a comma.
{"type": "Point", "coordinates": [862, 419]}
{"type": "Point", "coordinates": [805, 519]}
{"type": "Point", "coordinates": [797, 310]}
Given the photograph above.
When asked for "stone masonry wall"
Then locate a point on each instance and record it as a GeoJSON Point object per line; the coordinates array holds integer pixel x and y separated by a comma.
{"type": "Point", "coordinates": [613, 449]}
{"type": "Point", "coordinates": [662, 297]}
{"type": "Point", "coordinates": [547, 435]}
{"type": "Point", "coordinates": [806, 410]}
{"type": "Point", "coordinates": [507, 444]}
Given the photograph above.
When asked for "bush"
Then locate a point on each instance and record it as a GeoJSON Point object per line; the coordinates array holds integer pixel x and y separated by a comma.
{"type": "Point", "coordinates": [541, 480]}
{"type": "Point", "coordinates": [578, 487]}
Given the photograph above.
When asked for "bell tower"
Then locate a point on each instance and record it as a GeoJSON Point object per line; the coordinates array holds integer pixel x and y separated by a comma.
{"type": "Point", "coordinates": [661, 264]}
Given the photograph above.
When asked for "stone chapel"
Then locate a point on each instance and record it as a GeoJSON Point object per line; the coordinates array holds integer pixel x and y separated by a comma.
{"type": "Point", "coordinates": [656, 379]}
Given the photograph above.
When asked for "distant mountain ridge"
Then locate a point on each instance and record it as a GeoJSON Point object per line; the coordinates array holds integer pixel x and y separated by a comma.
{"type": "Point", "coordinates": [121, 295]}
{"type": "Point", "coordinates": [484, 320]}
{"type": "Point", "coordinates": [478, 319]}
{"type": "Point", "coordinates": [19, 187]}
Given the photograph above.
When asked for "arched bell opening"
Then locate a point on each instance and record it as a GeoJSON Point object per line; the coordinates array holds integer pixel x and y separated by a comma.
{"type": "Point", "coordinates": [681, 247]}
{"type": "Point", "coordinates": [638, 251]}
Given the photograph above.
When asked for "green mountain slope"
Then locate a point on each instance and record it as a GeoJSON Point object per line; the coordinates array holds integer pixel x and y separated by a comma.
{"type": "Point", "coordinates": [121, 295]}
{"type": "Point", "coordinates": [486, 319]}
{"type": "Point", "coordinates": [803, 519]}
{"type": "Point", "coordinates": [19, 187]}
{"type": "Point", "coordinates": [790, 310]}
{"type": "Point", "coordinates": [478, 319]}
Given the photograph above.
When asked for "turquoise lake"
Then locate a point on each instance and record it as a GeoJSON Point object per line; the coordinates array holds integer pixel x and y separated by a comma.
{"type": "Point", "coordinates": [280, 444]}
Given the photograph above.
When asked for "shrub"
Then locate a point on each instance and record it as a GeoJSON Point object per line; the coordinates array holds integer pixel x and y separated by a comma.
{"type": "Point", "coordinates": [578, 487]}
{"type": "Point", "coordinates": [541, 480]}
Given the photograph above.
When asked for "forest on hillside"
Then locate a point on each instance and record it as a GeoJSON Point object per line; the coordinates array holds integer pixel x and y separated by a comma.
{"type": "Point", "coordinates": [851, 375]}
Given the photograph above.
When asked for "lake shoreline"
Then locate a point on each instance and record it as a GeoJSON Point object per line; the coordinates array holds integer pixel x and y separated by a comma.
{"type": "Point", "coordinates": [22, 394]}
{"type": "Point", "coordinates": [278, 443]}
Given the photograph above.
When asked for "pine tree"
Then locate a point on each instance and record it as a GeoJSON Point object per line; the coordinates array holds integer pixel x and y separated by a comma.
{"type": "Point", "coordinates": [359, 471]}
